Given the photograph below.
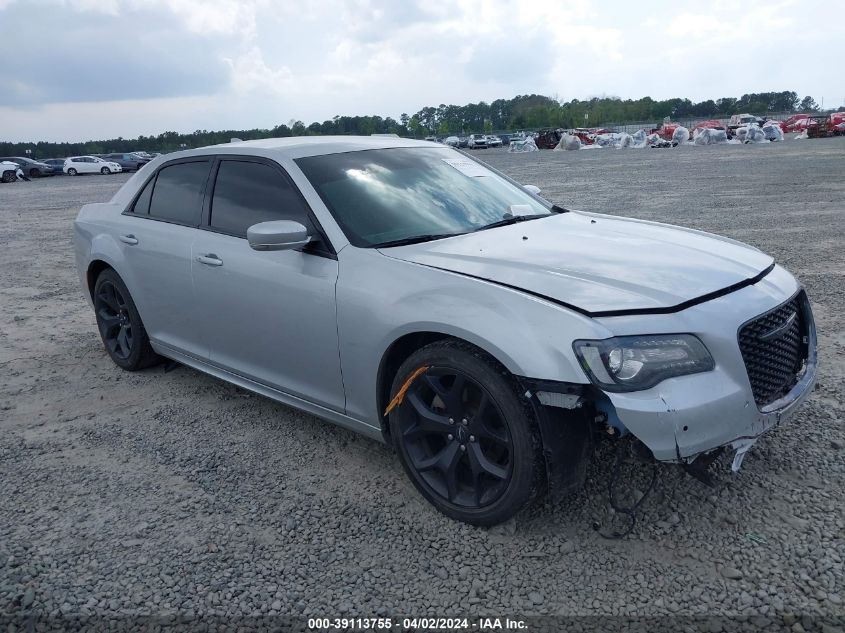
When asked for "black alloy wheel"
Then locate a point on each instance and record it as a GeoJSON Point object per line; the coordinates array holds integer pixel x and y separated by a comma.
{"type": "Point", "coordinates": [113, 319]}
{"type": "Point", "coordinates": [457, 439]}
{"type": "Point", "coordinates": [121, 329]}
{"type": "Point", "coordinates": [464, 435]}
{"type": "Point", "coordinates": [105, 171]}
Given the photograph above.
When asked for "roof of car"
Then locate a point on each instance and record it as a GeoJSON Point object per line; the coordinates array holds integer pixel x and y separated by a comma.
{"type": "Point", "coordinates": [299, 146]}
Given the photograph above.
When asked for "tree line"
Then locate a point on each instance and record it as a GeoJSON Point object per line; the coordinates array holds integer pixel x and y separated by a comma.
{"type": "Point", "coordinates": [520, 113]}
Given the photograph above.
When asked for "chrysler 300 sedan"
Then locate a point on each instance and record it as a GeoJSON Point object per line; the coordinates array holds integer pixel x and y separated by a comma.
{"type": "Point", "coordinates": [412, 294]}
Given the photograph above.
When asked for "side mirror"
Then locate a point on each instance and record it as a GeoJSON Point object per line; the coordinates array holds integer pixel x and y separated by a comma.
{"type": "Point", "coordinates": [532, 189]}
{"type": "Point", "coordinates": [278, 235]}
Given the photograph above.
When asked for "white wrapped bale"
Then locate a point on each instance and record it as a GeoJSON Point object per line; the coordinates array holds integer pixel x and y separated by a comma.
{"type": "Point", "coordinates": [528, 145]}
{"type": "Point", "coordinates": [640, 139]}
{"type": "Point", "coordinates": [625, 140]}
{"type": "Point", "coordinates": [773, 132]}
{"type": "Point", "coordinates": [755, 134]}
{"type": "Point", "coordinates": [718, 136]}
{"type": "Point", "coordinates": [680, 135]}
{"type": "Point", "coordinates": [606, 140]}
{"type": "Point", "coordinates": [709, 136]}
{"type": "Point", "coordinates": [568, 142]}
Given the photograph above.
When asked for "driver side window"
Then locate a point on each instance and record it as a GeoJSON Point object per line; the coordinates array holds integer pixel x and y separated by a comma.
{"type": "Point", "coordinates": [246, 193]}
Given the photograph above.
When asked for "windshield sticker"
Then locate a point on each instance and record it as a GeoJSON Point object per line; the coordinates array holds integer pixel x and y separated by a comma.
{"type": "Point", "coordinates": [466, 167]}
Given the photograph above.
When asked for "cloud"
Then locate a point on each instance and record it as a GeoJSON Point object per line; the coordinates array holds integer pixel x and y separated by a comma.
{"type": "Point", "coordinates": [84, 54]}
{"type": "Point", "coordinates": [258, 63]}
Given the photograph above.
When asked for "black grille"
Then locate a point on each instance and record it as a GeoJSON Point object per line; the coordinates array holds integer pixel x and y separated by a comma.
{"type": "Point", "coordinates": [774, 348]}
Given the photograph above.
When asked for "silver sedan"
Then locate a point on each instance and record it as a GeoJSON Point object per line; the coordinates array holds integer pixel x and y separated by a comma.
{"type": "Point", "coordinates": [412, 294]}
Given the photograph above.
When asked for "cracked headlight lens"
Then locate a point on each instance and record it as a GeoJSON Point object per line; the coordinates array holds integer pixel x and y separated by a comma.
{"type": "Point", "coordinates": [633, 363]}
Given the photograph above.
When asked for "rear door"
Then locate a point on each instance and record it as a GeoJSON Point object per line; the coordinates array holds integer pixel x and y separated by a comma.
{"type": "Point", "coordinates": [156, 235]}
{"type": "Point", "coordinates": [269, 316]}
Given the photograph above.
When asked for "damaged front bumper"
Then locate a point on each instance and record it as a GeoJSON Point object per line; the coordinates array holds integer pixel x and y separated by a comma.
{"type": "Point", "coordinates": [684, 417]}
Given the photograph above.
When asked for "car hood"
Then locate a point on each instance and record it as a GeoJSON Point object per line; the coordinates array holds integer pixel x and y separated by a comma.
{"type": "Point", "coordinates": [597, 264]}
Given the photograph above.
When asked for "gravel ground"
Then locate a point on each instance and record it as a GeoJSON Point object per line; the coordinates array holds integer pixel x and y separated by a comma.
{"type": "Point", "coordinates": [174, 493]}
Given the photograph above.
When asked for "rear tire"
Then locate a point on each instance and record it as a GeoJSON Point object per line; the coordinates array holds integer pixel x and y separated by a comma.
{"type": "Point", "coordinates": [34, 172]}
{"type": "Point", "coordinates": [71, 172]}
{"type": "Point", "coordinates": [465, 436]}
{"type": "Point", "coordinates": [120, 325]}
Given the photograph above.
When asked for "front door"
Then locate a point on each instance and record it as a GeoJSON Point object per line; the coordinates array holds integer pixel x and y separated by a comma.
{"type": "Point", "coordinates": [268, 315]}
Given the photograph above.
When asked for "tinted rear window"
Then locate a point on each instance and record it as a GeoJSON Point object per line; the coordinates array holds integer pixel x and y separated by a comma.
{"type": "Point", "coordinates": [247, 193]}
{"type": "Point", "coordinates": [177, 196]}
{"type": "Point", "coordinates": [142, 204]}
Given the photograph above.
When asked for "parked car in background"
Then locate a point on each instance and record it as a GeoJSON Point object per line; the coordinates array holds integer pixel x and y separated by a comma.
{"type": "Point", "coordinates": [836, 123]}
{"type": "Point", "coordinates": [477, 141]}
{"type": "Point", "coordinates": [452, 141]}
{"type": "Point", "coordinates": [795, 123]}
{"type": "Point", "coordinates": [8, 171]}
{"type": "Point", "coordinates": [129, 161]}
{"type": "Point", "coordinates": [57, 164]}
{"type": "Point", "coordinates": [463, 142]}
{"type": "Point", "coordinates": [90, 165]}
{"type": "Point", "coordinates": [547, 139]}
{"type": "Point", "coordinates": [741, 120]}
{"type": "Point", "coordinates": [665, 130]}
{"type": "Point", "coordinates": [493, 141]}
{"type": "Point", "coordinates": [712, 124]}
{"type": "Point", "coordinates": [32, 168]}
{"type": "Point", "coordinates": [484, 332]}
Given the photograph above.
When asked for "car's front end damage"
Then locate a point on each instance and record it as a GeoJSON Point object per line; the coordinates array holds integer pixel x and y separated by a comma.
{"type": "Point", "coordinates": [761, 342]}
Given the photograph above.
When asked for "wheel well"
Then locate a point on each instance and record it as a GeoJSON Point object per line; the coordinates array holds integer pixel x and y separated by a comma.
{"type": "Point", "coordinates": [392, 360]}
{"type": "Point", "coordinates": [396, 354]}
{"type": "Point", "coordinates": [94, 270]}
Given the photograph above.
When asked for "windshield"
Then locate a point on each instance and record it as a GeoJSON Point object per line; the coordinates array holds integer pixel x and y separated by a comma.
{"type": "Point", "coordinates": [388, 195]}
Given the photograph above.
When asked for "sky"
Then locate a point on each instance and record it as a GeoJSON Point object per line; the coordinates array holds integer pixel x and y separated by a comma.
{"type": "Point", "coordinates": [92, 69]}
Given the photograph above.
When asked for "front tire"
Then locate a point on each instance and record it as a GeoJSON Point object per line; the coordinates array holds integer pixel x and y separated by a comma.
{"type": "Point", "coordinates": [120, 325]}
{"type": "Point", "coordinates": [464, 435]}
{"type": "Point", "coordinates": [105, 171]}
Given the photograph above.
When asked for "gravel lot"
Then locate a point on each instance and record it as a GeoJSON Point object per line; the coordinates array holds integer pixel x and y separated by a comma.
{"type": "Point", "coordinates": [162, 493]}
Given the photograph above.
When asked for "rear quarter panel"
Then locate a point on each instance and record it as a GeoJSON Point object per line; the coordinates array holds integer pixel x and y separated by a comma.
{"type": "Point", "coordinates": [94, 239]}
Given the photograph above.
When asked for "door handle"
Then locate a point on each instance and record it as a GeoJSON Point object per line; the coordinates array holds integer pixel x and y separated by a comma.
{"type": "Point", "coordinates": [210, 260]}
{"type": "Point", "coordinates": [129, 239]}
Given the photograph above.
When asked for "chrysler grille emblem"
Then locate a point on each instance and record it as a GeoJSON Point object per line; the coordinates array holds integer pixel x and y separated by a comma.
{"type": "Point", "coordinates": [779, 330]}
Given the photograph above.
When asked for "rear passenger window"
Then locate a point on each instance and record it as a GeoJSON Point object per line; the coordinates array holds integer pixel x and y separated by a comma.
{"type": "Point", "coordinates": [142, 204]}
{"type": "Point", "coordinates": [177, 196]}
{"type": "Point", "coordinates": [248, 193]}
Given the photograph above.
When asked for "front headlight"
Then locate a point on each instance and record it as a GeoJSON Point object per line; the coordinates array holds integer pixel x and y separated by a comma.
{"type": "Point", "coordinates": [633, 363]}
